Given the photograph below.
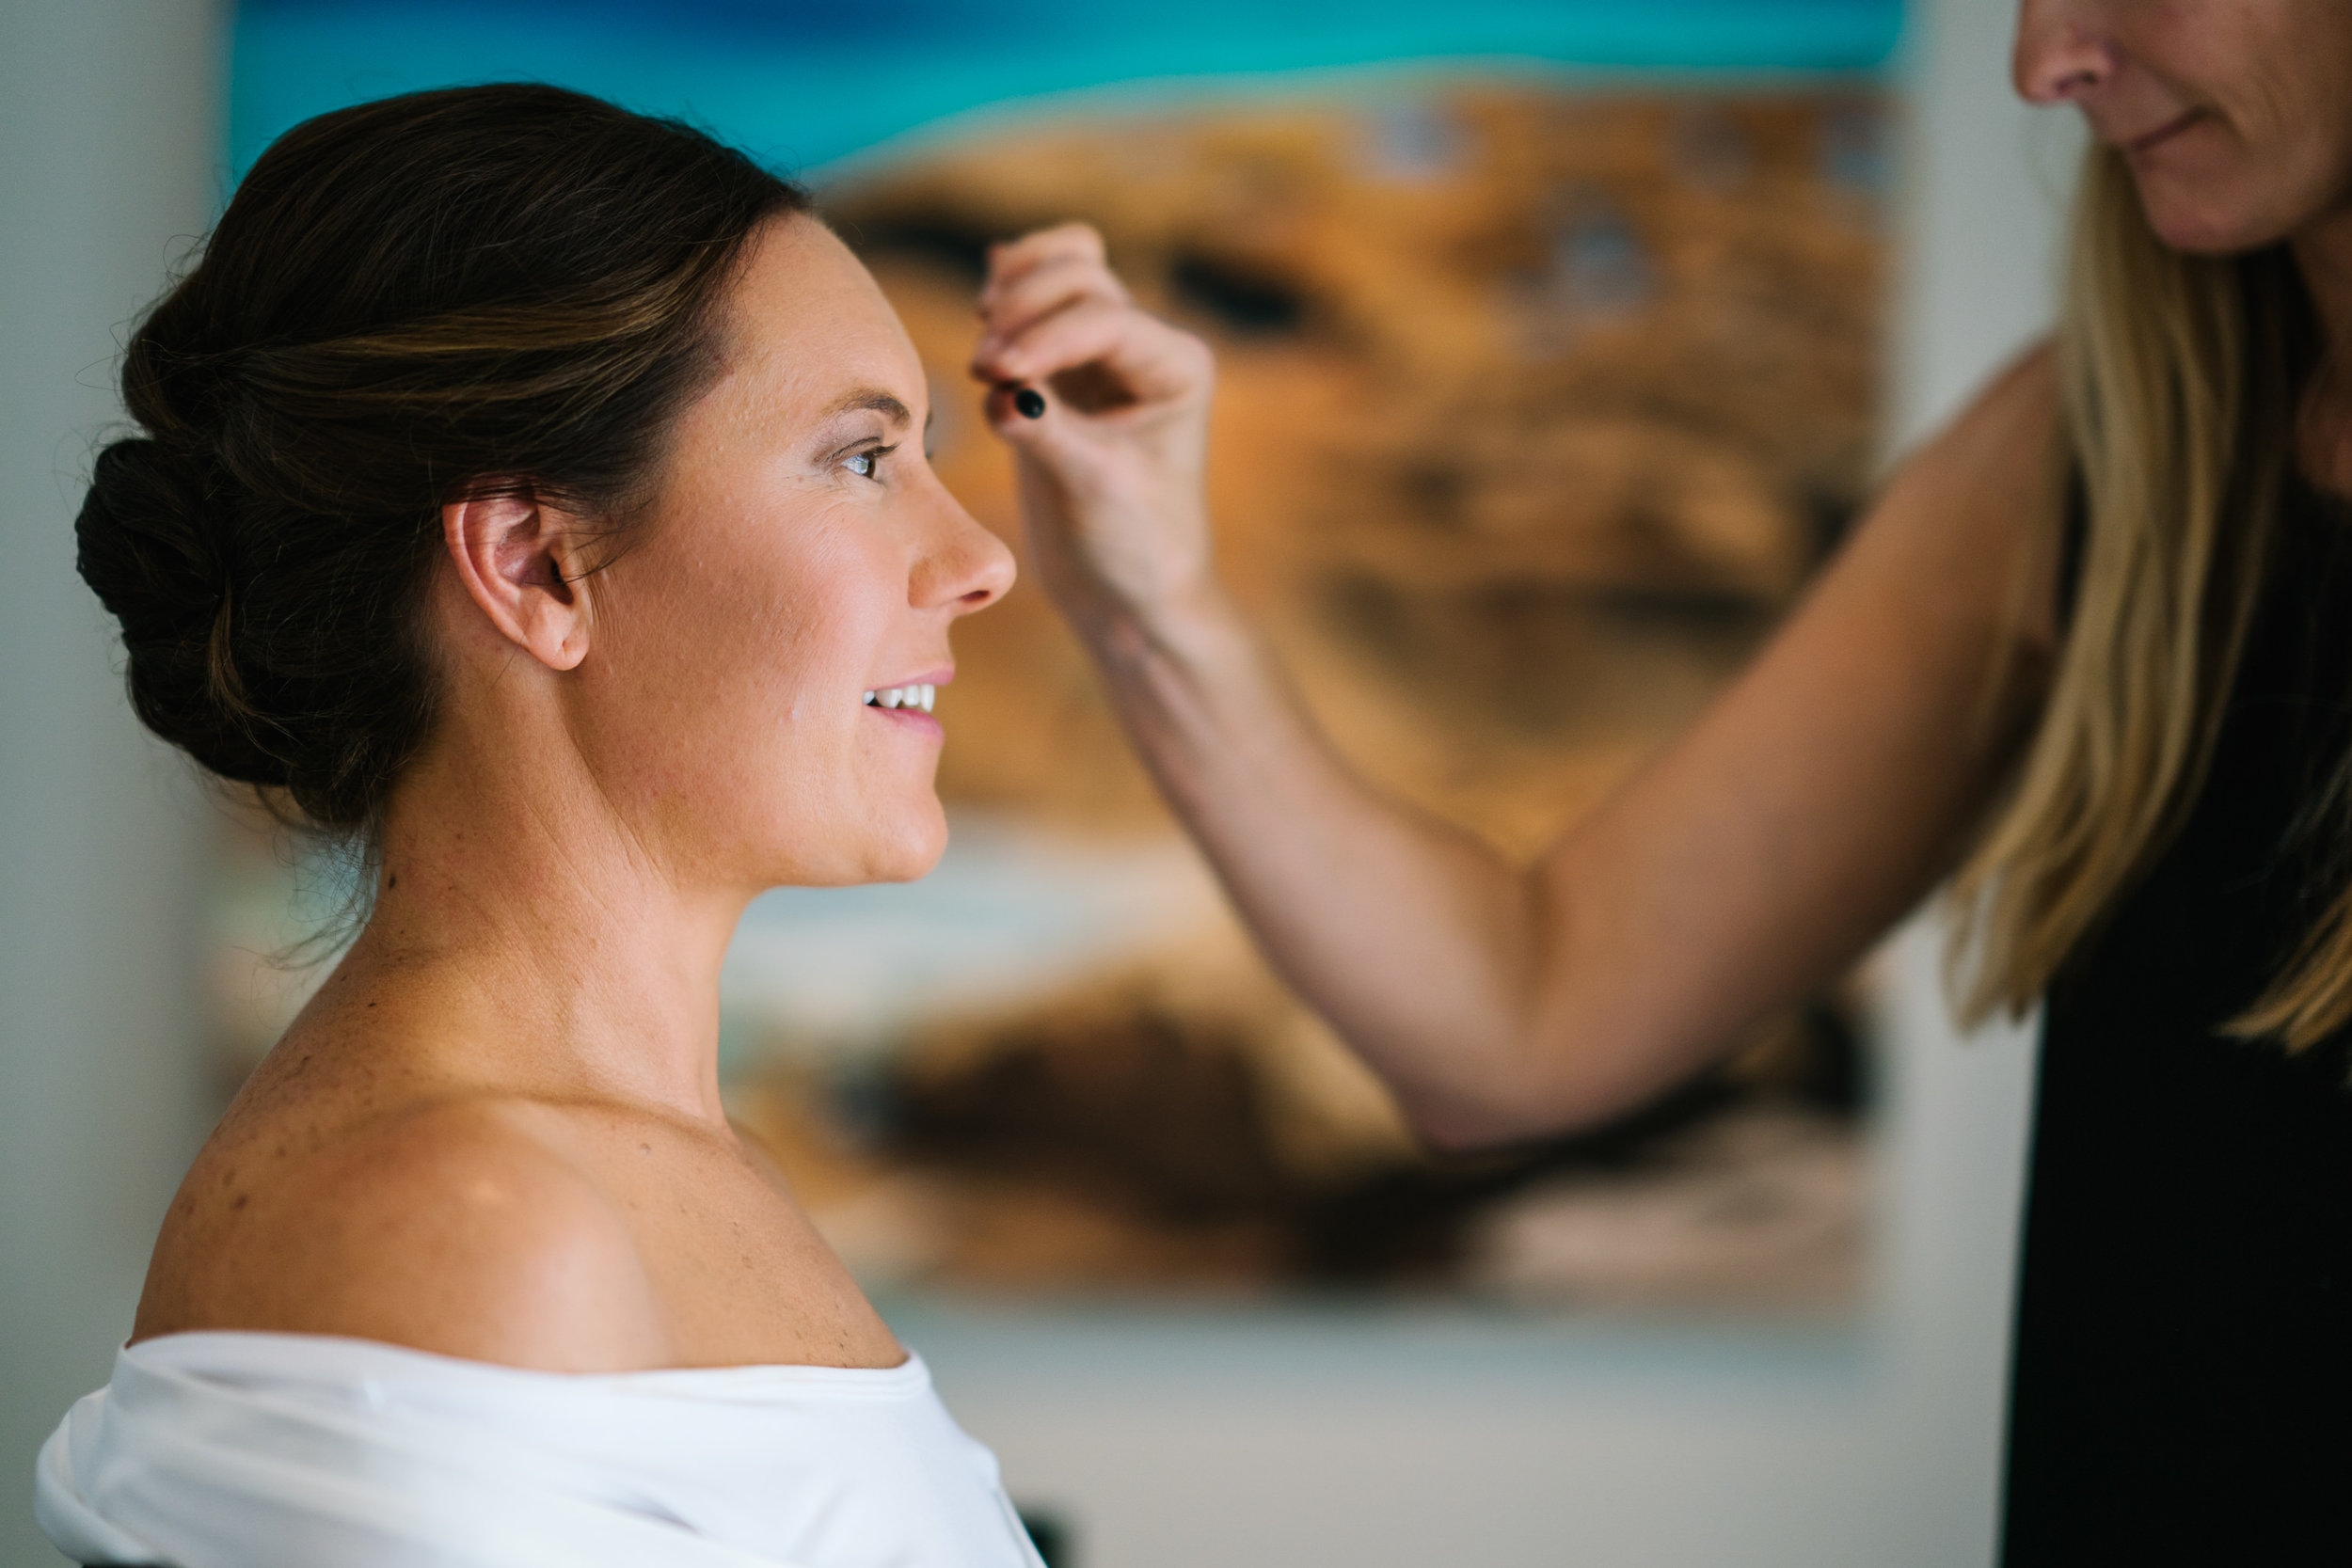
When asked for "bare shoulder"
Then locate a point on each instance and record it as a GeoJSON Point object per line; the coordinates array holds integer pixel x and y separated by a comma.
{"type": "Point", "coordinates": [2000, 447]}
{"type": "Point", "coordinates": [2019, 401]}
{"type": "Point", "coordinates": [1964, 533]}
{"type": "Point", "coordinates": [460, 1225]}
{"type": "Point", "coordinates": [1992, 471]}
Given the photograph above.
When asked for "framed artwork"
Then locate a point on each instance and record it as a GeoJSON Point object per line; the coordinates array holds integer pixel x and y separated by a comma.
{"type": "Point", "coordinates": [1549, 345]}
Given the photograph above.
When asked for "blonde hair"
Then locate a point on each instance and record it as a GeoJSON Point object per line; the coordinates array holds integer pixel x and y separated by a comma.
{"type": "Point", "coordinates": [2181, 376]}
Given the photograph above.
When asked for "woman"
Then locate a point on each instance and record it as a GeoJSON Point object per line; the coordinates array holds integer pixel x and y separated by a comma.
{"type": "Point", "coordinates": [534, 494]}
{"type": "Point", "coordinates": [2091, 651]}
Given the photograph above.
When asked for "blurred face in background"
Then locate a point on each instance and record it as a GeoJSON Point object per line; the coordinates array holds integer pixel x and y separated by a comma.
{"type": "Point", "coordinates": [2234, 114]}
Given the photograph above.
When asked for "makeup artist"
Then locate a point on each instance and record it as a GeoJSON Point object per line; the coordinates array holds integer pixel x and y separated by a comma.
{"type": "Point", "coordinates": [2089, 660]}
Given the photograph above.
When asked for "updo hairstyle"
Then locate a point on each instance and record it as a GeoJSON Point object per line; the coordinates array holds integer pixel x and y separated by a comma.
{"type": "Point", "coordinates": [509, 289]}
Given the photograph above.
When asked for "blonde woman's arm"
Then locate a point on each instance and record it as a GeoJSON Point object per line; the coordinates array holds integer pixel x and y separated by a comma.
{"type": "Point", "coordinates": [1820, 797]}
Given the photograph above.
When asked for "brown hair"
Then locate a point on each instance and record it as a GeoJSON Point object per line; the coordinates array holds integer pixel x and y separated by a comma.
{"type": "Point", "coordinates": [509, 288]}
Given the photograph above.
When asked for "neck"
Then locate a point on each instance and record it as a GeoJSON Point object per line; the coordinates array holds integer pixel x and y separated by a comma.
{"type": "Point", "coordinates": [542, 947]}
{"type": "Point", "coordinates": [2323, 252]}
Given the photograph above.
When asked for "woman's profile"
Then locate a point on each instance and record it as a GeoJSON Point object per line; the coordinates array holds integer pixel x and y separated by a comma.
{"type": "Point", "coordinates": [534, 494]}
{"type": "Point", "coordinates": [2090, 654]}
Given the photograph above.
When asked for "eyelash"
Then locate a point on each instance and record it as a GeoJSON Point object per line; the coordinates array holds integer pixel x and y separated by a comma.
{"type": "Point", "coordinates": [872, 456]}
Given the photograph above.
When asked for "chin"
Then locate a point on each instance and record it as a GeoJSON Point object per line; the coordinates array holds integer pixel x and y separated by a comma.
{"type": "Point", "coordinates": [903, 847]}
{"type": "Point", "coordinates": [2197, 225]}
{"type": "Point", "coordinates": [915, 851]}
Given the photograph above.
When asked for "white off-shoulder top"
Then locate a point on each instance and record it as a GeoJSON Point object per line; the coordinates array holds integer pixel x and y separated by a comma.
{"type": "Point", "coordinates": [292, 1450]}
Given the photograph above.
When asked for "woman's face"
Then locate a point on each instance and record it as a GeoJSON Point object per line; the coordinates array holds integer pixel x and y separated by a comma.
{"type": "Point", "coordinates": [2235, 114]}
{"type": "Point", "coordinates": [800, 555]}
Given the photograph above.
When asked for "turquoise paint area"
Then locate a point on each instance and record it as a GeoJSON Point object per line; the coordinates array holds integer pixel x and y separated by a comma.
{"type": "Point", "coordinates": [806, 89]}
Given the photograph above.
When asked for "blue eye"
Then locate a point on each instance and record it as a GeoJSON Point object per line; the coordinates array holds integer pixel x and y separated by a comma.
{"type": "Point", "coordinates": [868, 464]}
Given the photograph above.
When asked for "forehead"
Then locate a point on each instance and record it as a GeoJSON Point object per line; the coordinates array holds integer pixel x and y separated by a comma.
{"type": "Point", "coordinates": [807, 321]}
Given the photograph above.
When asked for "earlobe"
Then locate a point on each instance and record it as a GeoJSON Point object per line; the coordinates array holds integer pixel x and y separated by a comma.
{"type": "Point", "coordinates": [517, 558]}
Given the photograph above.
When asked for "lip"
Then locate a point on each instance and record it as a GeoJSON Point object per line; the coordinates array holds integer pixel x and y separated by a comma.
{"type": "Point", "coordinates": [929, 678]}
{"type": "Point", "coordinates": [2149, 141]}
{"type": "Point", "coordinates": [911, 718]}
{"type": "Point", "coordinates": [915, 718]}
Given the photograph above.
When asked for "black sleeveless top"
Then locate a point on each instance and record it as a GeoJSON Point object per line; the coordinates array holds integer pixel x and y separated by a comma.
{"type": "Point", "coordinates": [2183, 1382]}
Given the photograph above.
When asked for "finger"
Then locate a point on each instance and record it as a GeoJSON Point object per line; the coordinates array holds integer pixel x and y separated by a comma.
{"type": "Point", "coordinates": [1145, 356]}
{"type": "Point", "coordinates": [1063, 242]}
{"type": "Point", "coordinates": [1052, 287]}
{"type": "Point", "coordinates": [1013, 303]}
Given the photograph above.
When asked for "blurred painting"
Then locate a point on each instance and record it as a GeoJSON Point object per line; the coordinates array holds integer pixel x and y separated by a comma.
{"type": "Point", "coordinates": [1541, 398]}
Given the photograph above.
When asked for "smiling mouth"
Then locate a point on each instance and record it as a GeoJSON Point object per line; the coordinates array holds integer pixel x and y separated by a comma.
{"type": "Point", "coordinates": [2162, 133]}
{"type": "Point", "coordinates": [917, 697]}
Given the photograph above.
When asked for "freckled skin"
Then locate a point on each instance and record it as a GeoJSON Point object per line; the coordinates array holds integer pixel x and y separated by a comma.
{"type": "Point", "coordinates": [496, 1131]}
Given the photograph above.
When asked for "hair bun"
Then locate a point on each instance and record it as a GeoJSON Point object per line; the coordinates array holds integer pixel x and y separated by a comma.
{"type": "Point", "coordinates": [403, 299]}
{"type": "Point", "coordinates": [149, 538]}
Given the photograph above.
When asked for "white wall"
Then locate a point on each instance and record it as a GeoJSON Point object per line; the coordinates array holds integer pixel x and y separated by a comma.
{"type": "Point", "coordinates": [1988, 186]}
{"type": "Point", "coordinates": [108, 126]}
{"type": "Point", "coordinates": [1989, 179]}
{"type": "Point", "coordinates": [1396, 1439]}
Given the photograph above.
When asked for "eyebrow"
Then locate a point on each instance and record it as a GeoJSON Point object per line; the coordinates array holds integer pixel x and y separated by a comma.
{"type": "Point", "coordinates": [878, 401]}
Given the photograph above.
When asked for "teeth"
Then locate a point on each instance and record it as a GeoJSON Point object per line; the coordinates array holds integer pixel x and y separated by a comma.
{"type": "Point", "coordinates": [904, 696]}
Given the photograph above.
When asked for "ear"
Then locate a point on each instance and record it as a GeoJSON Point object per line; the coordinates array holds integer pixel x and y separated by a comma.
{"type": "Point", "coordinates": [518, 560]}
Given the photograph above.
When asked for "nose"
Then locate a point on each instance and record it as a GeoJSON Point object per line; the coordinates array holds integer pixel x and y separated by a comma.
{"type": "Point", "coordinates": [2061, 53]}
{"type": "Point", "coordinates": [966, 567]}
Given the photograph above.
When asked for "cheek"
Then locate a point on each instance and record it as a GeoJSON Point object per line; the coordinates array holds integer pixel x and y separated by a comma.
{"type": "Point", "coordinates": [2297, 108]}
{"type": "Point", "coordinates": [734, 704]}
{"type": "Point", "coordinates": [768, 655]}
{"type": "Point", "coordinates": [822, 790]}
{"type": "Point", "coordinates": [2266, 166]}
